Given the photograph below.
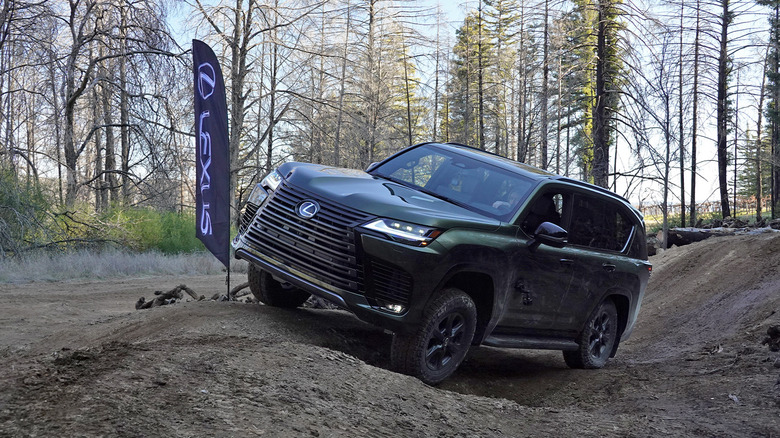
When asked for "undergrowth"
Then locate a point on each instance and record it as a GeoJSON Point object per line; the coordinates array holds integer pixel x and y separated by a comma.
{"type": "Point", "coordinates": [83, 264]}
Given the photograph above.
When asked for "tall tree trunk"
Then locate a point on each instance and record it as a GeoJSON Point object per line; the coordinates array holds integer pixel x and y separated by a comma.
{"type": "Point", "coordinates": [559, 116]}
{"type": "Point", "coordinates": [722, 108]}
{"type": "Point", "coordinates": [682, 127]}
{"type": "Point", "coordinates": [775, 111]}
{"type": "Point", "coordinates": [545, 85]}
{"type": "Point", "coordinates": [600, 170]}
{"type": "Point", "coordinates": [736, 142]}
{"type": "Point", "coordinates": [667, 167]}
{"type": "Point", "coordinates": [373, 108]}
{"type": "Point", "coordinates": [342, 90]}
{"type": "Point", "coordinates": [124, 116]}
{"type": "Point", "coordinates": [436, 76]}
{"type": "Point", "coordinates": [695, 114]}
{"type": "Point", "coordinates": [522, 148]}
{"type": "Point", "coordinates": [5, 99]}
{"type": "Point", "coordinates": [72, 92]}
{"type": "Point", "coordinates": [110, 165]}
{"type": "Point", "coordinates": [408, 93]}
{"type": "Point", "coordinates": [272, 97]}
{"type": "Point", "coordinates": [759, 146]}
{"type": "Point", "coordinates": [100, 189]}
{"type": "Point", "coordinates": [239, 48]}
{"type": "Point", "coordinates": [480, 81]}
{"type": "Point", "coordinates": [57, 122]}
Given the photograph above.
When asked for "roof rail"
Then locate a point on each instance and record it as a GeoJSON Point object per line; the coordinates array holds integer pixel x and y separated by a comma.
{"type": "Point", "coordinates": [593, 187]}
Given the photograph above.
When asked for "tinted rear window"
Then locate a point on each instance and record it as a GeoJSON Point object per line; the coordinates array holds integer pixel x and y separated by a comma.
{"type": "Point", "coordinates": [597, 223]}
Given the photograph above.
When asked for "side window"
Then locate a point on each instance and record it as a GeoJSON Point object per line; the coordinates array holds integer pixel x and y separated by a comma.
{"type": "Point", "coordinates": [598, 224]}
{"type": "Point", "coordinates": [546, 208]}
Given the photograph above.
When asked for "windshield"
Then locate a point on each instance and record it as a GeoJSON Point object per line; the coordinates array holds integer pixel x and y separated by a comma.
{"type": "Point", "coordinates": [473, 184]}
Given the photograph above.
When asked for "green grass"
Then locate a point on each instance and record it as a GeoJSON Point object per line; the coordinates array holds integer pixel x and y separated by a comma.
{"type": "Point", "coordinates": [146, 229]}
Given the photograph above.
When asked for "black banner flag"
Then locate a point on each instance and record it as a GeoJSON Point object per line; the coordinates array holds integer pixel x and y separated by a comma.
{"type": "Point", "coordinates": [212, 158]}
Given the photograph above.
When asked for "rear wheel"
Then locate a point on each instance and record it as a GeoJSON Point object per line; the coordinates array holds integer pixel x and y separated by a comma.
{"type": "Point", "coordinates": [434, 352]}
{"type": "Point", "coordinates": [272, 292]}
{"type": "Point", "coordinates": [596, 340]}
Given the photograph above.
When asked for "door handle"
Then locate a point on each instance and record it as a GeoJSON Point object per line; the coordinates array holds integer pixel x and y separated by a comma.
{"type": "Point", "coordinates": [609, 267]}
{"type": "Point", "coordinates": [566, 262]}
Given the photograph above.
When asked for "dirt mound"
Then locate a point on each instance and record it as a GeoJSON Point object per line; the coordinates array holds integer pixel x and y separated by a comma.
{"type": "Point", "coordinates": [81, 361]}
{"type": "Point", "coordinates": [722, 290]}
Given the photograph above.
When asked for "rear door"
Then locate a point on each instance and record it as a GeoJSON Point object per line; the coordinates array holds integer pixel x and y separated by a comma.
{"type": "Point", "coordinates": [599, 234]}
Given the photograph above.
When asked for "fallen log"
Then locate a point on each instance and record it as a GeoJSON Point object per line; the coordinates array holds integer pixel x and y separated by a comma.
{"type": "Point", "coordinates": [169, 297]}
{"type": "Point", "coordinates": [686, 236]}
{"type": "Point", "coordinates": [234, 293]}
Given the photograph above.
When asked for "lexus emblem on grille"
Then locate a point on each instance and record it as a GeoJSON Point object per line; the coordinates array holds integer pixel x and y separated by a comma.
{"type": "Point", "coordinates": [307, 209]}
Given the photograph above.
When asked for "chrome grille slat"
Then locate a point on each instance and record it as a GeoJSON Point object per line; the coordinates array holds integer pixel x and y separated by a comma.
{"type": "Point", "coordinates": [300, 241]}
{"type": "Point", "coordinates": [279, 218]}
{"type": "Point", "coordinates": [246, 218]}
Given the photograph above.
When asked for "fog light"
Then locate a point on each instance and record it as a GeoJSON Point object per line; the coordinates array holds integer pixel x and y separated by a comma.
{"type": "Point", "coordinates": [395, 308]}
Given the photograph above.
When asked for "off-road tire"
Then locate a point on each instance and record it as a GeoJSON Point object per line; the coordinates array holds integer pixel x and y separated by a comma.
{"type": "Point", "coordinates": [273, 293]}
{"type": "Point", "coordinates": [596, 340]}
{"type": "Point", "coordinates": [434, 352]}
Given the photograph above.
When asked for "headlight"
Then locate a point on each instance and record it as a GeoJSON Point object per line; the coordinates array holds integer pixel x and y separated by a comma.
{"type": "Point", "coordinates": [404, 232]}
{"type": "Point", "coordinates": [257, 196]}
{"type": "Point", "coordinates": [272, 180]}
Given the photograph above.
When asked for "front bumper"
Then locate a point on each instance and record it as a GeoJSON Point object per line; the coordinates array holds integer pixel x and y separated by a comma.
{"type": "Point", "coordinates": [383, 282]}
{"type": "Point", "coordinates": [386, 263]}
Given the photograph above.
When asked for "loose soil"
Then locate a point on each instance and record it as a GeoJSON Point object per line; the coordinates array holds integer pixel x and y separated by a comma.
{"type": "Point", "coordinates": [79, 360]}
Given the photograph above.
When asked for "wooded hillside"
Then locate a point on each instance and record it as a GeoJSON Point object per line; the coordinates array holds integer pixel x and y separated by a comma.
{"type": "Point", "coordinates": [96, 98]}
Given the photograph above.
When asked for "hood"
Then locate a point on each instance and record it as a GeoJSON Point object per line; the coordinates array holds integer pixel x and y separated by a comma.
{"type": "Point", "coordinates": [359, 190]}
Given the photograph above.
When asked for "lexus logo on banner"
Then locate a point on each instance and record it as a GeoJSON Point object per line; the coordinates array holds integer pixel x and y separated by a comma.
{"type": "Point", "coordinates": [206, 80]}
{"type": "Point", "coordinates": [212, 197]}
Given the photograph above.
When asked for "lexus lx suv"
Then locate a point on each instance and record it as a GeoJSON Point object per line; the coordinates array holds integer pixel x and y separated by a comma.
{"type": "Point", "coordinates": [448, 246]}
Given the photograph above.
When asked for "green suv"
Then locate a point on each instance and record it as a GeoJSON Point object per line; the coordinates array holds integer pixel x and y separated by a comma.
{"type": "Point", "coordinates": [448, 246]}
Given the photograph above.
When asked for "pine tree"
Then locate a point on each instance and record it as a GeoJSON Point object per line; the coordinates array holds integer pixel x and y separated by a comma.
{"type": "Point", "coordinates": [773, 104]}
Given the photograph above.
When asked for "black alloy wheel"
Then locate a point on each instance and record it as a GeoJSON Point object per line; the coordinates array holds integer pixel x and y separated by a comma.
{"type": "Point", "coordinates": [597, 339]}
{"type": "Point", "coordinates": [446, 341]}
{"type": "Point", "coordinates": [434, 352]}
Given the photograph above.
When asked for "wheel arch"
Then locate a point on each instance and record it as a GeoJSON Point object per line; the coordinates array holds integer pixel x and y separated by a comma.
{"type": "Point", "coordinates": [480, 287]}
{"type": "Point", "coordinates": [622, 304]}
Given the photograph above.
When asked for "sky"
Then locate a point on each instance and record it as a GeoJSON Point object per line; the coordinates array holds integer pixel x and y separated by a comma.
{"type": "Point", "coordinates": [455, 13]}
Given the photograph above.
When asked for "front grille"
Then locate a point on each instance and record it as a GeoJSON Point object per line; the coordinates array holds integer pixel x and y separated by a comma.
{"type": "Point", "coordinates": [391, 284]}
{"type": "Point", "coordinates": [323, 247]}
{"type": "Point", "coordinates": [247, 216]}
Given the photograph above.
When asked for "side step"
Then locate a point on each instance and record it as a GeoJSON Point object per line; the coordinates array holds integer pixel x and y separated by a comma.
{"type": "Point", "coordinates": [530, 342]}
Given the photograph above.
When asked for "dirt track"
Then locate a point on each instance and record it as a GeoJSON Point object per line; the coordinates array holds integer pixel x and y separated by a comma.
{"type": "Point", "coordinates": [78, 360]}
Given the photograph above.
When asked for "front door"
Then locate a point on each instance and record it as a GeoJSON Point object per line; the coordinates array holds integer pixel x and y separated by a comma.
{"type": "Point", "coordinates": [543, 274]}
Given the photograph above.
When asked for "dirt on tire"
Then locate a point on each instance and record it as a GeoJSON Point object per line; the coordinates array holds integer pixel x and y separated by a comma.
{"type": "Point", "coordinates": [79, 360]}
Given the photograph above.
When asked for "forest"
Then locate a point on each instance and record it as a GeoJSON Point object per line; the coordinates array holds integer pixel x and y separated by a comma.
{"type": "Point", "coordinates": [672, 104]}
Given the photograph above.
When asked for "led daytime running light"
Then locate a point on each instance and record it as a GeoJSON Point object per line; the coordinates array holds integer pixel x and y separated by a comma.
{"type": "Point", "coordinates": [411, 233]}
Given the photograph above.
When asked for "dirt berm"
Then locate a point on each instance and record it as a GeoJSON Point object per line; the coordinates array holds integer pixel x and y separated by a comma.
{"type": "Point", "coordinates": [79, 360]}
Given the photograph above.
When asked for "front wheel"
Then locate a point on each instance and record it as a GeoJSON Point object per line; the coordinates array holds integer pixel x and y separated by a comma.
{"type": "Point", "coordinates": [434, 352]}
{"type": "Point", "coordinates": [274, 293]}
{"type": "Point", "coordinates": [597, 339]}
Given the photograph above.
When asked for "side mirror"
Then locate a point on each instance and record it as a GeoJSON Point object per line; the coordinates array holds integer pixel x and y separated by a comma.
{"type": "Point", "coordinates": [549, 234]}
{"type": "Point", "coordinates": [372, 166]}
